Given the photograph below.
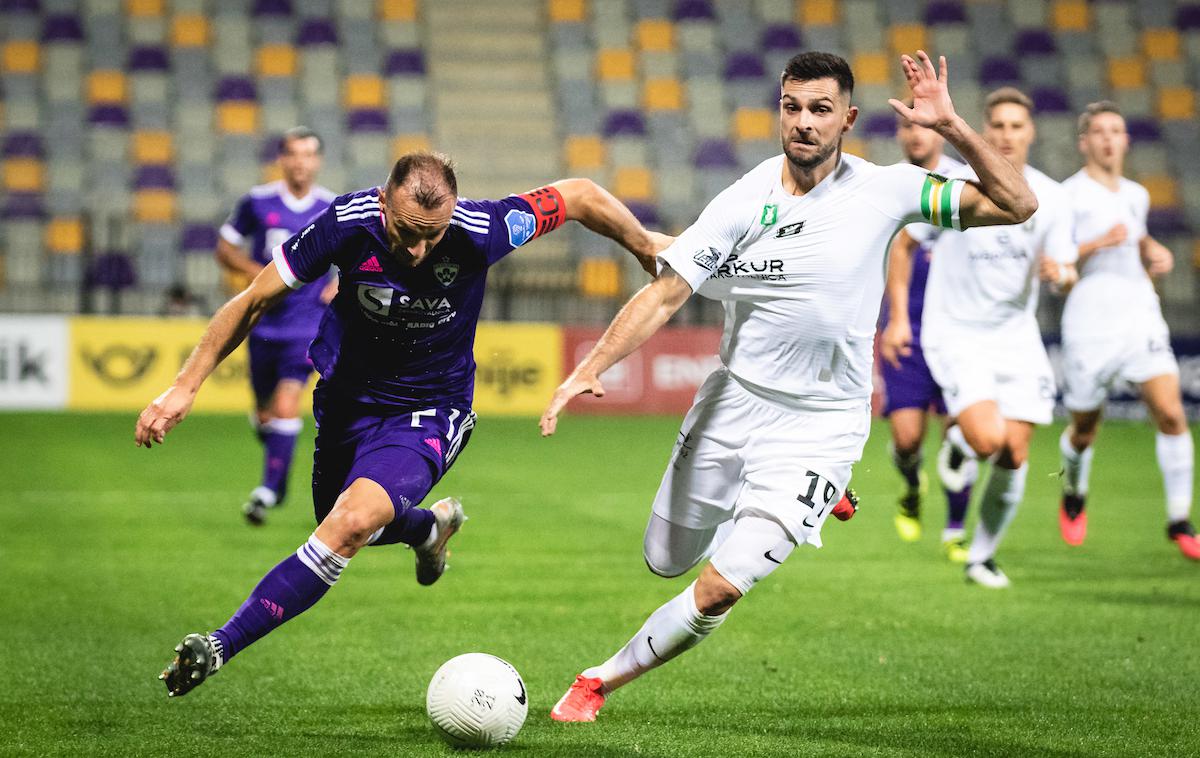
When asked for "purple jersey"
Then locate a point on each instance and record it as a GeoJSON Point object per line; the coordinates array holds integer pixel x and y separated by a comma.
{"type": "Point", "coordinates": [265, 217]}
{"type": "Point", "coordinates": [401, 336]}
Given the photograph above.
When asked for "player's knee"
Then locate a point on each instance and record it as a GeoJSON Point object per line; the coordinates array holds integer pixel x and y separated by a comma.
{"type": "Point", "coordinates": [354, 518]}
{"type": "Point", "coordinates": [661, 562]}
{"type": "Point", "coordinates": [1171, 420]}
{"type": "Point", "coordinates": [1082, 437]}
{"type": "Point", "coordinates": [714, 593]}
{"type": "Point", "coordinates": [1013, 456]}
{"type": "Point", "coordinates": [906, 441]}
{"type": "Point", "coordinates": [985, 443]}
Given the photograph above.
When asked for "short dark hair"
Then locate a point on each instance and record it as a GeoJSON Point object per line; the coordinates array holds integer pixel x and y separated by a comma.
{"type": "Point", "coordinates": [806, 67]}
{"type": "Point", "coordinates": [1095, 109]}
{"type": "Point", "coordinates": [300, 132]}
{"type": "Point", "coordinates": [430, 177]}
{"type": "Point", "coordinates": [1006, 95]}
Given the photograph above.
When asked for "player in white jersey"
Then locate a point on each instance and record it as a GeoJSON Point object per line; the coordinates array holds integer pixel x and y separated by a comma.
{"type": "Point", "coordinates": [981, 334]}
{"type": "Point", "coordinates": [795, 251]}
{"type": "Point", "coordinates": [1113, 327]}
{"type": "Point", "coordinates": [909, 391]}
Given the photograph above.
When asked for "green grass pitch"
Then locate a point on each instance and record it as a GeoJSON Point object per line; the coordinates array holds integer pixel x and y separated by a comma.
{"type": "Point", "coordinates": [109, 554]}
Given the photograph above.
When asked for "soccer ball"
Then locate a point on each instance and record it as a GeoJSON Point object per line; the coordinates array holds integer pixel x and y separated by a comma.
{"type": "Point", "coordinates": [477, 700]}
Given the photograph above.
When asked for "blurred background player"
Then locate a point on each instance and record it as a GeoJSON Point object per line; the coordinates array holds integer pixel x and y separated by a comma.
{"type": "Point", "coordinates": [909, 389]}
{"type": "Point", "coordinates": [263, 219]}
{"type": "Point", "coordinates": [395, 355]}
{"type": "Point", "coordinates": [1113, 327]}
{"type": "Point", "coordinates": [981, 334]}
{"type": "Point", "coordinates": [774, 432]}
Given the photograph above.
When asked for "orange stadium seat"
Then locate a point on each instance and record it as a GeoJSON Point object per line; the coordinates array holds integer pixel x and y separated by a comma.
{"type": "Point", "coordinates": [908, 38]}
{"type": "Point", "coordinates": [271, 172]}
{"type": "Point", "coordinates": [152, 147]}
{"type": "Point", "coordinates": [633, 183]}
{"type": "Point", "coordinates": [1164, 191]}
{"type": "Point", "coordinates": [655, 34]}
{"type": "Point", "coordinates": [871, 68]}
{"type": "Point", "coordinates": [1196, 254]}
{"type": "Point", "coordinates": [237, 117]}
{"type": "Point", "coordinates": [615, 65]}
{"type": "Point", "coordinates": [584, 153]}
{"type": "Point", "coordinates": [1071, 16]}
{"type": "Point", "coordinates": [106, 87]}
{"type": "Point", "coordinates": [362, 91]}
{"type": "Point", "coordinates": [662, 95]}
{"type": "Point", "coordinates": [275, 60]}
{"type": "Point", "coordinates": [189, 30]}
{"type": "Point", "coordinates": [155, 206]}
{"type": "Point", "coordinates": [24, 175]}
{"type": "Point", "coordinates": [854, 146]}
{"type": "Point", "coordinates": [1161, 44]}
{"type": "Point", "coordinates": [144, 8]}
{"type": "Point", "coordinates": [566, 10]}
{"type": "Point", "coordinates": [1127, 73]}
{"type": "Point", "coordinates": [409, 143]}
{"type": "Point", "coordinates": [1176, 103]}
{"type": "Point", "coordinates": [398, 10]}
{"type": "Point", "coordinates": [755, 123]}
{"type": "Point", "coordinates": [64, 235]}
{"type": "Point", "coordinates": [817, 12]}
{"type": "Point", "coordinates": [599, 277]}
{"type": "Point", "coordinates": [21, 56]}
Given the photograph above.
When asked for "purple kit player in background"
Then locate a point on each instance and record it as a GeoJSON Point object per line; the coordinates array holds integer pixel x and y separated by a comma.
{"type": "Point", "coordinates": [395, 357]}
{"type": "Point", "coordinates": [909, 389]}
{"type": "Point", "coordinates": [279, 367]}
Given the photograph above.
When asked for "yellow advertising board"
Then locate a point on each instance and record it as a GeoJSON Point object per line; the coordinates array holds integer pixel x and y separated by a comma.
{"type": "Point", "coordinates": [518, 367]}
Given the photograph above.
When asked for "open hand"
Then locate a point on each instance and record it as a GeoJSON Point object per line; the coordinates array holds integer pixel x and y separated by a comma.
{"type": "Point", "coordinates": [162, 415]}
{"type": "Point", "coordinates": [574, 386]}
{"type": "Point", "coordinates": [931, 106]}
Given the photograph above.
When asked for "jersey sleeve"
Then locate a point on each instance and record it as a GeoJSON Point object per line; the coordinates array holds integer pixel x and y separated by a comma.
{"type": "Point", "coordinates": [500, 226]}
{"type": "Point", "coordinates": [307, 255]}
{"type": "Point", "coordinates": [1059, 240]}
{"type": "Point", "coordinates": [242, 222]}
{"type": "Point", "coordinates": [705, 245]}
{"type": "Point", "coordinates": [909, 193]}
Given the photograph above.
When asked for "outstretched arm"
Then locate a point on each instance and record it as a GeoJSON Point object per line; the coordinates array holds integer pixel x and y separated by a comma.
{"type": "Point", "coordinates": [228, 327]}
{"type": "Point", "coordinates": [896, 338]}
{"type": "Point", "coordinates": [641, 317]}
{"type": "Point", "coordinates": [1001, 196]}
{"type": "Point", "coordinates": [598, 210]}
{"type": "Point", "coordinates": [234, 259]}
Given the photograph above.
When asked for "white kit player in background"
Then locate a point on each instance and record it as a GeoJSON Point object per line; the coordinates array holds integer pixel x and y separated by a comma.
{"type": "Point", "coordinates": [1113, 327]}
{"type": "Point", "coordinates": [981, 335]}
{"type": "Point", "coordinates": [795, 251]}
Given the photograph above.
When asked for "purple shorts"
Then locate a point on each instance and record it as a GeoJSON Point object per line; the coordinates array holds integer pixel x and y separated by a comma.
{"type": "Point", "coordinates": [406, 452]}
{"type": "Point", "coordinates": [911, 385]}
{"type": "Point", "coordinates": [272, 361]}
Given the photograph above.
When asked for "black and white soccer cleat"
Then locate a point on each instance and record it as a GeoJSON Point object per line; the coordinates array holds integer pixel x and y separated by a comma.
{"type": "Point", "coordinates": [196, 658]}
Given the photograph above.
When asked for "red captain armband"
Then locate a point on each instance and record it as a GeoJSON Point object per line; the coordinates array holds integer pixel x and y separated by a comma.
{"type": "Point", "coordinates": [549, 207]}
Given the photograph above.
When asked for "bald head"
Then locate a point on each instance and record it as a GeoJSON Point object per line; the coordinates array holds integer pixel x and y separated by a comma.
{"type": "Point", "coordinates": [418, 202]}
{"type": "Point", "coordinates": [426, 178]}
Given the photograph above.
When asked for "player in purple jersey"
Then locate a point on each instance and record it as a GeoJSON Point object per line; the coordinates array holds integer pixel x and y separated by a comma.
{"type": "Point", "coordinates": [394, 354]}
{"type": "Point", "coordinates": [279, 367]}
{"type": "Point", "coordinates": [910, 393]}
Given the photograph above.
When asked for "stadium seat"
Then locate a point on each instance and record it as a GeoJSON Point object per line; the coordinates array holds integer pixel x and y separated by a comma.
{"type": "Point", "coordinates": [237, 117]}
{"type": "Point", "coordinates": [599, 277]}
{"type": "Point", "coordinates": [397, 10]}
{"type": "Point", "coordinates": [584, 153]}
{"type": "Point", "coordinates": [189, 30]}
{"type": "Point", "coordinates": [64, 235]}
{"type": "Point", "coordinates": [275, 60]}
{"type": "Point", "coordinates": [154, 206]}
{"type": "Point", "coordinates": [152, 147]}
{"type": "Point", "coordinates": [615, 65]}
{"type": "Point", "coordinates": [941, 12]}
{"type": "Point", "coordinates": [1176, 103]}
{"type": "Point", "coordinates": [654, 34]}
{"type": "Point", "coordinates": [662, 95]}
{"type": "Point", "coordinates": [633, 183]}
{"type": "Point", "coordinates": [817, 12]}
{"type": "Point", "coordinates": [1070, 15]}
{"type": "Point", "coordinates": [907, 39]}
{"type": "Point", "coordinates": [1127, 73]}
{"type": "Point", "coordinates": [20, 56]}
{"type": "Point", "coordinates": [872, 68]}
{"type": "Point", "coordinates": [1161, 44]}
{"type": "Point", "coordinates": [24, 175]}
{"type": "Point", "coordinates": [362, 91]}
{"type": "Point", "coordinates": [106, 87]}
{"type": "Point", "coordinates": [754, 124]}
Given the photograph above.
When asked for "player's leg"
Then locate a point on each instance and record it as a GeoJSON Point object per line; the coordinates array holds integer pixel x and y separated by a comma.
{"type": "Point", "coordinates": [1089, 367]}
{"type": "Point", "coordinates": [1002, 494]}
{"type": "Point", "coordinates": [1175, 450]}
{"type": "Point", "coordinates": [954, 534]}
{"type": "Point", "coordinates": [1075, 445]}
{"type": "Point", "coordinates": [264, 378]}
{"type": "Point", "coordinates": [754, 548]}
{"type": "Point", "coordinates": [908, 436]}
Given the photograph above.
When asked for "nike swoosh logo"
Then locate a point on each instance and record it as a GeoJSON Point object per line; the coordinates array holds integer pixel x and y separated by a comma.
{"type": "Point", "coordinates": [805, 522]}
{"type": "Point", "coordinates": [650, 644]}
{"type": "Point", "coordinates": [767, 555]}
{"type": "Point", "coordinates": [520, 698]}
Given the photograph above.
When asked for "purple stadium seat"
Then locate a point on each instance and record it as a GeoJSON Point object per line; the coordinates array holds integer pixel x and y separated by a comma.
{"type": "Point", "coordinates": [743, 65]}
{"type": "Point", "coordinates": [236, 88]}
{"type": "Point", "coordinates": [404, 62]}
{"type": "Point", "coordinates": [367, 120]}
{"type": "Point", "coordinates": [647, 213]}
{"type": "Point", "coordinates": [1167, 222]}
{"type": "Point", "coordinates": [1187, 18]}
{"type": "Point", "coordinates": [148, 59]}
{"type": "Point", "coordinates": [316, 31]}
{"type": "Point", "coordinates": [23, 145]}
{"type": "Point", "coordinates": [62, 29]}
{"type": "Point", "coordinates": [781, 37]}
{"type": "Point", "coordinates": [108, 115]}
{"type": "Point", "coordinates": [996, 71]}
{"type": "Point", "coordinates": [269, 149]}
{"type": "Point", "coordinates": [620, 122]}
{"type": "Point", "coordinates": [1050, 100]}
{"type": "Point", "coordinates": [693, 9]}
{"type": "Point", "coordinates": [111, 270]}
{"type": "Point", "coordinates": [880, 125]}
{"type": "Point", "coordinates": [153, 177]}
{"type": "Point", "coordinates": [715, 153]}
{"type": "Point", "coordinates": [1034, 42]}
{"type": "Point", "coordinates": [1143, 129]}
{"type": "Point", "coordinates": [199, 238]}
{"type": "Point", "coordinates": [20, 6]}
{"type": "Point", "coordinates": [23, 205]}
{"type": "Point", "coordinates": [945, 12]}
{"type": "Point", "coordinates": [271, 8]}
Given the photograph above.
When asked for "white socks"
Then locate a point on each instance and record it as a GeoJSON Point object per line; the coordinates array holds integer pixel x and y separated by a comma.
{"type": "Point", "coordinates": [325, 563]}
{"type": "Point", "coordinates": [955, 435]}
{"type": "Point", "coordinates": [1175, 460]}
{"type": "Point", "coordinates": [1004, 491]}
{"type": "Point", "coordinates": [674, 628]}
{"type": "Point", "coordinates": [1077, 465]}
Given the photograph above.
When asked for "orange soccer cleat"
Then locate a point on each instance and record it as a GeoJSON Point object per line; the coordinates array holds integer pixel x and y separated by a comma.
{"type": "Point", "coordinates": [1072, 520]}
{"type": "Point", "coordinates": [1183, 534]}
{"type": "Point", "coordinates": [582, 701]}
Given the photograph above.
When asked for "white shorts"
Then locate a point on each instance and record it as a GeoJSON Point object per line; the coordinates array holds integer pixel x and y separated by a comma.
{"type": "Point", "coordinates": [739, 453]}
{"type": "Point", "coordinates": [1009, 367]}
{"type": "Point", "coordinates": [1092, 363]}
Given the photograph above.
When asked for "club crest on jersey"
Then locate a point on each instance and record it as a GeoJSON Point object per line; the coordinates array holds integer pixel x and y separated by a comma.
{"type": "Point", "coordinates": [790, 230]}
{"type": "Point", "coordinates": [707, 258]}
{"type": "Point", "coordinates": [770, 214]}
{"type": "Point", "coordinates": [445, 272]}
{"type": "Point", "coordinates": [521, 227]}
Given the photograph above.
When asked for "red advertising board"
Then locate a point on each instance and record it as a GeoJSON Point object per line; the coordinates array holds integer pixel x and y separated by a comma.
{"type": "Point", "coordinates": [661, 377]}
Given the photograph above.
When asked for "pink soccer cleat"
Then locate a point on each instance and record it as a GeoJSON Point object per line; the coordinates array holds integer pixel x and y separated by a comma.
{"type": "Point", "coordinates": [1072, 520]}
{"type": "Point", "coordinates": [847, 506]}
{"type": "Point", "coordinates": [1183, 534]}
{"type": "Point", "coordinates": [582, 701]}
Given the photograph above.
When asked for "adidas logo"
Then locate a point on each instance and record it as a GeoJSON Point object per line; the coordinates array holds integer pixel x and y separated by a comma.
{"type": "Point", "coordinates": [372, 265]}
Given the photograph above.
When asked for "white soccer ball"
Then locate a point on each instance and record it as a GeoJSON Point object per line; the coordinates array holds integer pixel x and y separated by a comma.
{"type": "Point", "coordinates": [477, 700]}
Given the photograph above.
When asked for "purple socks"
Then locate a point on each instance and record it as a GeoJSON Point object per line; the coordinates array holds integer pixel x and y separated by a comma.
{"type": "Point", "coordinates": [278, 437]}
{"type": "Point", "coordinates": [956, 507]}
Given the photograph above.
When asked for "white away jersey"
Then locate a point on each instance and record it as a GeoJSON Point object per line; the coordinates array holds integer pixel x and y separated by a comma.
{"type": "Point", "coordinates": [987, 277]}
{"type": "Point", "coordinates": [801, 277]}
{"type": "Point", "coordinates": [1113, 286]}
